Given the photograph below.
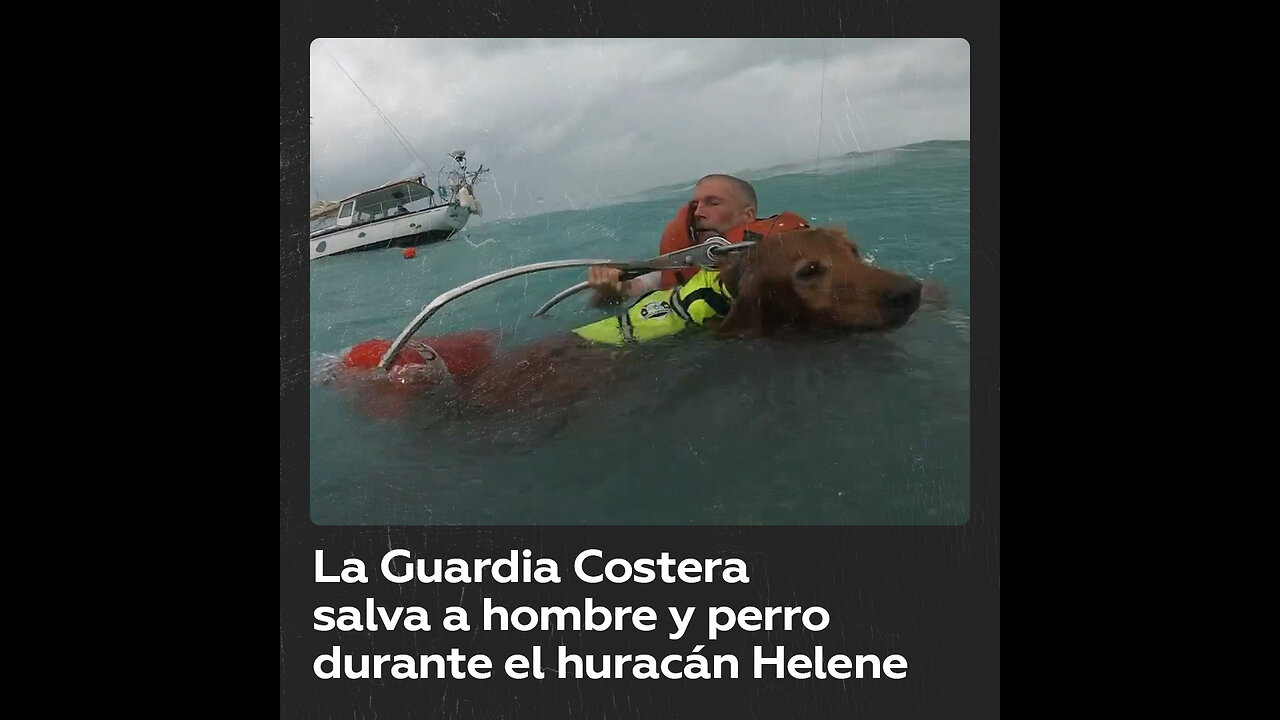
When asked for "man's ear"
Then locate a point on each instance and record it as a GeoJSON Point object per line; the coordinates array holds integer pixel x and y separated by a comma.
{"type": "Point", "coordinates": [750, 212]}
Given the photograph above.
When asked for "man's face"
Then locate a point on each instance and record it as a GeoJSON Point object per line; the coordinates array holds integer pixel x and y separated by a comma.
{"type": "Point", "coordinates": [719, 207]}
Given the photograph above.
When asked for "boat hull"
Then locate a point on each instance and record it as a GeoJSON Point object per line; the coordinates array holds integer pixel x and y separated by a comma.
{"type": "Point", "coordinates": [408, 230]}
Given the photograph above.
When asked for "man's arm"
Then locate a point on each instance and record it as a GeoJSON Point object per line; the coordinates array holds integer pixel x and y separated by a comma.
{"type": "Point", "coordinates": [610, 289]}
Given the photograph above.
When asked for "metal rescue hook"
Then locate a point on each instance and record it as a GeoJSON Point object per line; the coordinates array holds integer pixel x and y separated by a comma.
{"type": "Point", "coordinates": [704, 254]}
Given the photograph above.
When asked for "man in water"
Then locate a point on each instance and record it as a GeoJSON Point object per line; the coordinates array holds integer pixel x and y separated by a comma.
{"type": "Point", "coordinates": [720, 202]}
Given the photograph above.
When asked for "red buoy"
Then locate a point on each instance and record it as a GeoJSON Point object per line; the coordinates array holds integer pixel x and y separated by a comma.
{"type": "Point", "coordinates": [410, 253]}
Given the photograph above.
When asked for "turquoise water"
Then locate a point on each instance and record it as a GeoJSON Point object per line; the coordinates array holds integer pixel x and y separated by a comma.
{"type": "Point", "coordinates": [858, 430]}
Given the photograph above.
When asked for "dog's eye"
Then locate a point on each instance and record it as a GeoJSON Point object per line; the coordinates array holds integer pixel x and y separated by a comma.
{"type": "Point", "coordinates": [810, 270]}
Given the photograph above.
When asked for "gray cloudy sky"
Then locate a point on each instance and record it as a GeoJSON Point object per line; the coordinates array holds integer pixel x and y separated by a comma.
{"type": "Point", "coordinates": [575, 123]}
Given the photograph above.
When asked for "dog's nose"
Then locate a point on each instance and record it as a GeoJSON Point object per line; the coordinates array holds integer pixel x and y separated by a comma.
{"type": "Point", "coordinates": [904, 296]}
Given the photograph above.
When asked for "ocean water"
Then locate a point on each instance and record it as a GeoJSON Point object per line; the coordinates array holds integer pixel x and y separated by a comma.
{"type": "Point", "coordinates": [854, 430]}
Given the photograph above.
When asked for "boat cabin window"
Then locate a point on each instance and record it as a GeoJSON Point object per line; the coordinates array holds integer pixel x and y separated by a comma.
{"type": "Point", "coordinates": [383, 203]}
{"type": "Point", "coordinates": [387, 209]}
{"type": "Point", "coordinates": [323, 223]}
{"type": "Point", "coordinates": [345, 213]}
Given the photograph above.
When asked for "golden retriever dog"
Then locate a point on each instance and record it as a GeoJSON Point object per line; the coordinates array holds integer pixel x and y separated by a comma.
{"type": "Point", "coordinates": [802, 281]}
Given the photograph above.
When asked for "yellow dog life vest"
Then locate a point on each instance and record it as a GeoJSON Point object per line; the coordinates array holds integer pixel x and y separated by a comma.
{"type": "Point", "coordinates": [664, 312]}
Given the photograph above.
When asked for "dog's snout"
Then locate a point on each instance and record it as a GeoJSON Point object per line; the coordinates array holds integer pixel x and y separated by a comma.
{"type": "Point", "coordinates": [906, 295]}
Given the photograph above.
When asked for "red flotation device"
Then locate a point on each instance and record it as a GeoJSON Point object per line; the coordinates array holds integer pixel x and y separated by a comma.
{"type": "Point", "coordinates": [369, 353]}
{"type": "Point", "coordinates": [420, 365]}
{"type": "Point", "coordinates": [429, 360]}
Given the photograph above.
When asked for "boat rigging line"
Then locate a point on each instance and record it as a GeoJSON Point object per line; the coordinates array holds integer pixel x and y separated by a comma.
{"type": "Point", "coordinates": [822, 96]}
{"type": "Point", "coordinates": [395, 132]}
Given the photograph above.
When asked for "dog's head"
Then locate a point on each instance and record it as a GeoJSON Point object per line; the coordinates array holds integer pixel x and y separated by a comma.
{"type": "Point", "coordinates": [813, 279]}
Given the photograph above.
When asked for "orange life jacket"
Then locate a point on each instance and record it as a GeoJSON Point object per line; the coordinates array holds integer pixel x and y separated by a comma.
{"type": "Point", "coordinates": [679, 235]}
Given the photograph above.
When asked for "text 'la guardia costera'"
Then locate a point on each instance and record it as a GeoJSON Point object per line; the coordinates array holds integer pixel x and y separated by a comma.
{"type": "Point", "coordinates": [590, 566]}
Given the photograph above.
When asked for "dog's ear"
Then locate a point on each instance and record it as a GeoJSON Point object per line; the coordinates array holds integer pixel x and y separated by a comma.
{"type": "Point", "coordinates": [730, 269]}
{"type": "Point", "coordinates": [746, 314]}
{"type": "Point", "coordinates": [743, 319]}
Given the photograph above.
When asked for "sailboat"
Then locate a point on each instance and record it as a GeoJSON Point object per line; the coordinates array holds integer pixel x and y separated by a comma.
{"type": "Point", "coordinates": [401, 213]}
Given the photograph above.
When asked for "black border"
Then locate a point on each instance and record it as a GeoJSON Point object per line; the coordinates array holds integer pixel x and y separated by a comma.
{"type": "Point", "coordinates": [929, 593]}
